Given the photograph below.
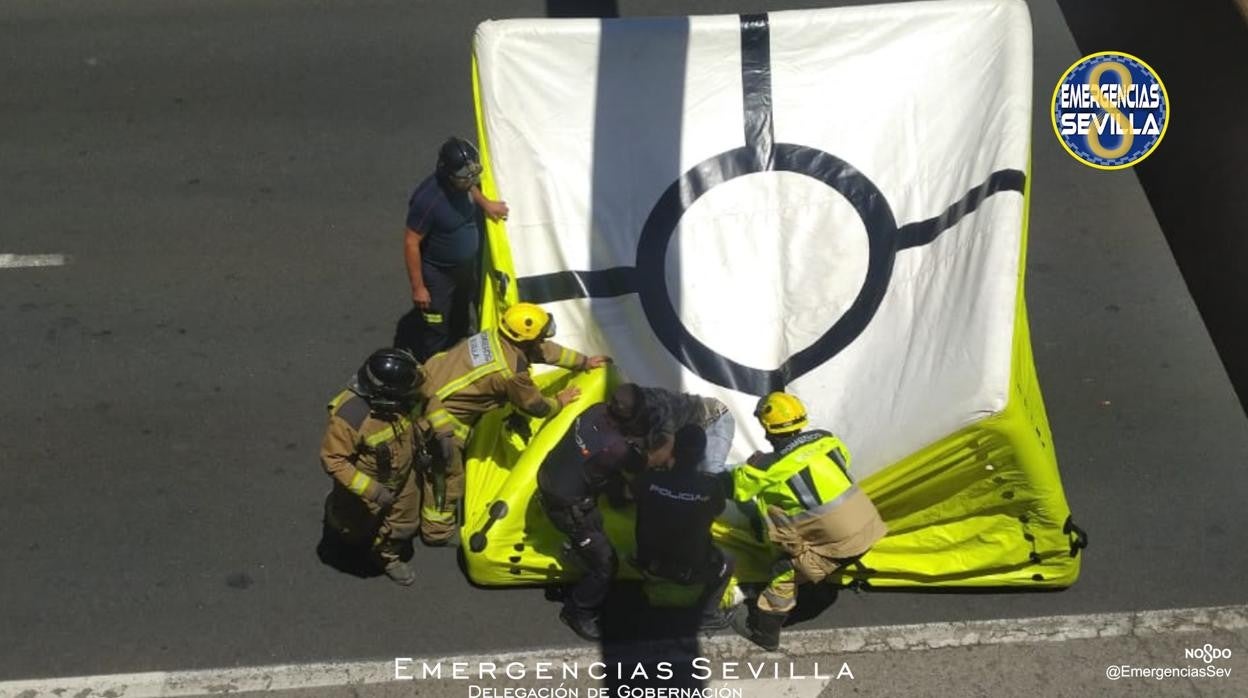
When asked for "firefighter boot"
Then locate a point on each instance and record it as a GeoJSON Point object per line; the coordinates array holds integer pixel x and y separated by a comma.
{"type": "Point", "coordinates": [399, 572]}
{"type": "Point", "coordinates": [760, 627]}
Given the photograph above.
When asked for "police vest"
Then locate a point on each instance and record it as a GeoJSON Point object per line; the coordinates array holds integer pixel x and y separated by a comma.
{"type": "Point", "coordinates": [808, 478]}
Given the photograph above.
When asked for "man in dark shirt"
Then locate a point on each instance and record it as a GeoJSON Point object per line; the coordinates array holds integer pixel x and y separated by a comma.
{"type": "Point", "coordinates": [664, 411]}
{"type": "Point", "coordinates": [588, 459]}
{"type": "Point", "coordinates": [675, 509]}
{"type": "Point", "coordinates": [441, 247]}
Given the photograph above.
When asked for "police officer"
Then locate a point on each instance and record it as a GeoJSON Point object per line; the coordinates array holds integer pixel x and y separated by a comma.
{"type": "Point", "coordinates": [485, 372]}
{"type": "Point", "coordinates": [370, 449]}
{"type": "Point", "coordinates": [441, 250]}
{"type": "Point", "coordinates": [814, 513]}
{"type": "Point", "coordinates": [590, 457]}
{"type": "Point", "coordinates": [675, 508]}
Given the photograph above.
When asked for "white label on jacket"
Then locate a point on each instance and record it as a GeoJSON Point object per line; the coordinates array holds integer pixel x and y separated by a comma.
{"type": "Point", "coordinates": [479, 351]}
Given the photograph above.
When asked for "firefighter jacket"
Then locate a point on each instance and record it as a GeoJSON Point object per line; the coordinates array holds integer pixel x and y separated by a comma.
{"type": "Point", "coordinates": [362, 450]}
{"type": "Point", "coordinates": [485, 372]}
{"type": "Point", "coordinates": [809, 502]}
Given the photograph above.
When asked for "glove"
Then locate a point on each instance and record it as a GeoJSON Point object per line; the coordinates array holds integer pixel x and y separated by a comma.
{"type": "Point", "coordinates": [381, 496]}
{"type": "Point", "coordinates": [449, 452]}
{"type": "Point", "coordinates": [519, 424]}
{"type": "Point", "coordinates": [371, 490]}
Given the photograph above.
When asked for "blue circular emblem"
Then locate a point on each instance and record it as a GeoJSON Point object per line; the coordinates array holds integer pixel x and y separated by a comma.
{"type": "Point", "coordinates": [1110, 110]}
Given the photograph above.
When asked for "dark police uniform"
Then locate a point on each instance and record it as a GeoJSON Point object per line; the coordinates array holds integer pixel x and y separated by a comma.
{"type": "Point", "coordinates": [675, 509]}
{"type": "Point", "coordinates": [447, 220]}
{"type": "Point", "coordinates": [586, 460]}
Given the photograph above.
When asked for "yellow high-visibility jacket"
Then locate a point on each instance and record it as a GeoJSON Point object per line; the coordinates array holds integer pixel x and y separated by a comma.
{"type": "Point", "coordinates": [806, 497]}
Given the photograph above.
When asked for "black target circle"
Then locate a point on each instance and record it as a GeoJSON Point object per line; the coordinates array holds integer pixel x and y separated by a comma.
{"type": "Point", "coordinates": [656, 234]}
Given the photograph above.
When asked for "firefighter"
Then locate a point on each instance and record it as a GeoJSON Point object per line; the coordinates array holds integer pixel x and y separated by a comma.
{"type": "Point", "coordinates": [813, 512]}
{"type": "Point", "coordinates": [675, 509]}
{"type": "Point", "coordinates": [373, 447]}
{"type": "Point", "coordinates": [591, 457]}
{"type": "Point", "coordinates": [485, 372]}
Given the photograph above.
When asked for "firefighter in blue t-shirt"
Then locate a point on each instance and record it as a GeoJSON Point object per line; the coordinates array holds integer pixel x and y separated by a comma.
{"type": "Point", "coordinates": [441, 247]}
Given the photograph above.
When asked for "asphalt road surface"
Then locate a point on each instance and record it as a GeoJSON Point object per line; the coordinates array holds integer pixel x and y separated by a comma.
{"type": "Point", "coordinates": [229, 180]}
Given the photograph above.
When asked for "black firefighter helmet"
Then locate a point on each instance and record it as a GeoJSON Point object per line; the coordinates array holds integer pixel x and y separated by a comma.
{"type": "Point", "coordinates": [389, 380]}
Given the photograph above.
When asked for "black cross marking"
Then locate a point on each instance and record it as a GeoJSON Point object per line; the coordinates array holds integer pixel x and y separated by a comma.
{"type": "Point", "coordinates": [760, 154]}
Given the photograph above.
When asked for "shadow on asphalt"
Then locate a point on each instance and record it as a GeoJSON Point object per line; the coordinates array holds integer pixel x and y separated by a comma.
{"type": "Point", "coordinates": [349, 558]}
{"type": "Point", "coordinates": [645, 647]}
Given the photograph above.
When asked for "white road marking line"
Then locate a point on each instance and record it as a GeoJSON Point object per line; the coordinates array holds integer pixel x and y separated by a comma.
{"type": "Point", "coordinates": [806, 643]}
{"type": "Point", "coordinates": [19, 261]}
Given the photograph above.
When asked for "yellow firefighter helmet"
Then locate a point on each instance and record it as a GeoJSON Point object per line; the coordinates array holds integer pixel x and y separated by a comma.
{"type": "Point", "coordinates": [780, 413]}
{"type": "Point", "coordinates": [525, 322]}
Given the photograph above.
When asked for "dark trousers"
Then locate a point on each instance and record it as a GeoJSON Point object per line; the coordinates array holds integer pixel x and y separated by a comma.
{"type": "Point", "coordinates": [582, 524]}
{"type": "Point", "coordinates": [452, 305]}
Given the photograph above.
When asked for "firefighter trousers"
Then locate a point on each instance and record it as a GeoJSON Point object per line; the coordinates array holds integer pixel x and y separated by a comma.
{"type": "Point", "coordinates": [361, 522]}
{"type": "Point", "coordinates": [437, 524]}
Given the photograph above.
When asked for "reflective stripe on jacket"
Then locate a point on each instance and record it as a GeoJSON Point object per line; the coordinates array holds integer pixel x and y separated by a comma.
{"type": "Point", "coordinates": [486, 371]}
{"type": "Point", "coordinates": [358, 448]}
{"type": "Point", "coordinates": [805, 494]}
{"type": "Point", "coordinates": [806, 477]}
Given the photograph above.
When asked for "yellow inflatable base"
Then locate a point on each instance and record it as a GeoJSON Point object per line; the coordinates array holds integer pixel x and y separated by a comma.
{"type": "Point", "coordinates": [982, 508]}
